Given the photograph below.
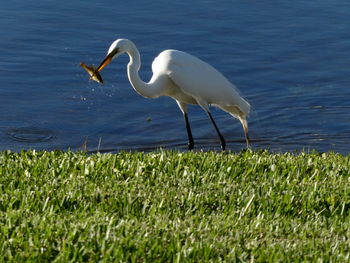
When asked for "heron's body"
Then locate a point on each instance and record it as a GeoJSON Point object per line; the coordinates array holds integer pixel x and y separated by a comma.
{"type": "Point", "coordinates": [190, 80]}
{"type": "Point", "coordinates": [186, 79]}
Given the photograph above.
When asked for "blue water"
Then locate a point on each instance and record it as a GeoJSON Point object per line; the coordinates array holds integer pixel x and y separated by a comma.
{"type": "Point", "coordinates": [289, 59]}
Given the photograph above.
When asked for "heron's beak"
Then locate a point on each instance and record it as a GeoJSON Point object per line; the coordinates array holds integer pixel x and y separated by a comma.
{"type": "Point", "coordinates": [105, 62]}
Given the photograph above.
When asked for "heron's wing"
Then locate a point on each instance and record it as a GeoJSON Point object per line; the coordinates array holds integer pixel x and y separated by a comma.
{"type": "Point", "coordinates": [198, 79]}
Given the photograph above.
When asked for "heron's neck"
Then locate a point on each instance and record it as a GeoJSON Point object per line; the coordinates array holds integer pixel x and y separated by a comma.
{"type": "Point", "coordinates": [143, 88]}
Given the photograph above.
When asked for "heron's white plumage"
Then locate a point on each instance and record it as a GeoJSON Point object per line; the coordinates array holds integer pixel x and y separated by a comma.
{"type": "Point", "coordinates": [185, 78]}
{"type": "Point", "coordinates": [200, 81]}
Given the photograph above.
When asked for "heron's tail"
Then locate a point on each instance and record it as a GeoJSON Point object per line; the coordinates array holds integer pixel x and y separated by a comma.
{"type": "Point", "coordinates": [244, 107]}
{"type": "Point", "coordinates": [240, 109]}
{"type": "Point", "coordinates": [245, 125]}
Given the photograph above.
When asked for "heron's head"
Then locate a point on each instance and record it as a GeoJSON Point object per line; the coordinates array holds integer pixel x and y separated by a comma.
{"type": "Point", "coordinates": [117, 48]}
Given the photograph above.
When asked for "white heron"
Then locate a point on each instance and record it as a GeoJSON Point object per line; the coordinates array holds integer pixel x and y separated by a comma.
{"type": "Point", "coordinates": [186, 79]}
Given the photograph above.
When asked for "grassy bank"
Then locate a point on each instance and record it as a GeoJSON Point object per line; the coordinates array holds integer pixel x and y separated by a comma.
{"type": "Point", "coordinates": [174, 207]}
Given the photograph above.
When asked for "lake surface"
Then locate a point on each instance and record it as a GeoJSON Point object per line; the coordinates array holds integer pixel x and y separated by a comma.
{"type": "Point", "coordinates": [289, 59]}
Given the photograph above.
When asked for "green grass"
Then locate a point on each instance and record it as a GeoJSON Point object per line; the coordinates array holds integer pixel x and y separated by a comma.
{"type": "Point", "coordinates": [174, 207]}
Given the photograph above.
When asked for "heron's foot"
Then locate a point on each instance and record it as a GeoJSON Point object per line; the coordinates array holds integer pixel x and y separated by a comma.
{"type": "Point", "coordinates": [190, 146]}
{"type": "Point", "coordinates": [223, 145]}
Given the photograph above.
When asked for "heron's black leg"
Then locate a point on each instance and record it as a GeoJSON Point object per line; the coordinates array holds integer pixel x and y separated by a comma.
{"type": "Point", "coordinates": [222, 140]}
{"type": "Point", "coordinates": [189, 133]}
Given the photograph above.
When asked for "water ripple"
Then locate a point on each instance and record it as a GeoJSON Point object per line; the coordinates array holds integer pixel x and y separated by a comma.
{"type": "Point", "coordinates": [30, 135]}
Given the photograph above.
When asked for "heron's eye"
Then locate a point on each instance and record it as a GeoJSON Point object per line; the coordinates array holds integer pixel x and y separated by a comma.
{"type": "Point", "coordinates": [114, 51]}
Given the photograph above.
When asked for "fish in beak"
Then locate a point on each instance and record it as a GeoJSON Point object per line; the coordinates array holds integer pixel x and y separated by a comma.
{"type": "Point", "coordinates": [94, 74]}
{"type": "Point", "coordinates": [105, 62]}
